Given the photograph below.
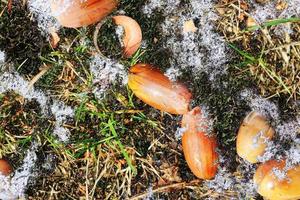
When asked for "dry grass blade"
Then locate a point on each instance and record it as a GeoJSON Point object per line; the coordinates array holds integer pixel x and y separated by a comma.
{"type": "Point", "coordinates": [39, 75]}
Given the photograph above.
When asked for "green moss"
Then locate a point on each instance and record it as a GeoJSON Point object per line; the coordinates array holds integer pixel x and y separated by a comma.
{"type": "Point", "coordinates": [21, 39]}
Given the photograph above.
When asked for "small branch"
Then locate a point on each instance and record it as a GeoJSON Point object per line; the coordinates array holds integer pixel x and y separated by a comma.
{"type": "Point", "coordinates": [39, 75]}
{"type": "Point", "coordinates": [181, 185]}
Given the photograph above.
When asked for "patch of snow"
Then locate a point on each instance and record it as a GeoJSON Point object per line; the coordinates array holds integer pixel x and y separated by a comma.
{"type": "Point", "coordinates": [14, 187]}
{"type": "Point", "coordinates": [201, 51]}
{"type": "Point", "coordinates": [172, 73]}
{"type": "Point", "coordinates": [289, 130]}
{"type": "Point", "coordinates": [149, 194]}
{"type": "Point", "coordinates": [2, 57]}
{"type": "Point", "coordinates": [61, 112]}
{"type": "Point", "coordinates": [106, 72]}
{"type": "Point", "coordinates": [179, 133]}
{"type": "Point", "coordinates": [268, 11]}
{"type": "Point", "coordinates": [261, 105]}
{"type": "Point", "coordinates": [224, 180]}
{"type": "Point", "coordinates": [41, 10]}
{"type": "Point", "coordinates": [167, 6]}
{"type": "Point", "coordinates": [293, 156]}
{"type": "Point", "coordinates": [206, 120]}
{"type": "Point", "coordinates": [279, 174]}
{"type": "Point", "coordinates": [120, 34]}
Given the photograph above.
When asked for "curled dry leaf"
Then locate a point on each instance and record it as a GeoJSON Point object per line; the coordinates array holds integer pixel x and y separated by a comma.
{"type": "Point", "coordinates": [253, 135]}
{"type": "Point", "coordinates": [151, 86]}
{"type": "Point", "coordinates": [78, 13]}
{"type": "Point", "coordinates": [133, 34]}
{"type": "Point", "coordinates": [274, 187]}
{"type": "Point", "coordinates": [54, 40]}
{"type": "Point", "coordinates": [250, 22]}
{"type": "Point", "coordinates": [199, 147]}
{"type": "Point", "coordinates": [5, 168]}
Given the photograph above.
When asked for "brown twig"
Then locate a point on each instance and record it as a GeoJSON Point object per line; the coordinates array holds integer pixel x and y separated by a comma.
{"type": "Point", "coordinates": [164, 188]}
{"type": "Point", "coordinates": [39, 75]}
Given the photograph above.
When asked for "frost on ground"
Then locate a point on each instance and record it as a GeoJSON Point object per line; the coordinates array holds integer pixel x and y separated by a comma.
{"type": "Point", "coordinates": [11, 81]}
{"type": "Point", "coordinates": [167, 6]}
{"type": "Point", "coordinates": [41, 11]}
{"type": "Point", "coordinates": [264, 12]}
{"type": "Point", "coordinates": [61, 112]}
{"type": "Point", "coordinates": [13, 187]}
{"type": "Point", "coordinates": [2, 57]}
{"type": "Point", "coordinates": [105, 73]}
{"type": "Point", "coordinates": [260, 105]}
{"type": "Point", "coordinates": [224, 180]}
{"type": "Point", "coordinates": [201, 51]}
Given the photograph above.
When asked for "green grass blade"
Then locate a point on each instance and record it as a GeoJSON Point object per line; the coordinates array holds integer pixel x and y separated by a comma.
{"type": "Point", "coordinates": [243, 53]}
{"type": "Point", "coordinates": [274, 22]}
{"type": "Point", "coordinates": [125, 154]}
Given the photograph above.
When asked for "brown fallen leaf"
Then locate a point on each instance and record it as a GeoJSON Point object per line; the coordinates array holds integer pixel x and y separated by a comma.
{"type": "Point", "coordinates": [281, 5]}
{"type": "Point", "coordinates": [189, 26]}
{"type": "Point", "coordinates": [250, 22]}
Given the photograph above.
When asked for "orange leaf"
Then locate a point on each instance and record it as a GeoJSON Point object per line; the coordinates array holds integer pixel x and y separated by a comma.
{"type": "Point", "coordinates": [133, 34]}
{"type": "Point", "coordinates": [81, 13]}
{"type": "Point", "coordinates": [151, 86]}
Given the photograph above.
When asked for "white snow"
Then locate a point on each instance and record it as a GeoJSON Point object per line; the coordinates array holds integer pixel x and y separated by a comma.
{"type": "Point", "coordinates": [13, 187]}
{"type": "Point", "coordinates": [179, 132]}
{"type": "Point", "coordinates": [13, 81]}
{"type": "Point", "coordinates": [268, 11]}
{"type": "Point", "coordinates": [263, 12]}
{"type": "Point", "coordinates": [261, 105]}
{"type": "Point", "coordinates": [61, 112]}
{"type": "Point", "coordinates": [120, 34]}
{"type": "Point", "coordinates": [2, 57]}
{"type": "Point", "coordinates": [165, 6]}
{"type": "Point", "coordinates": [41, 10]}
{"type": "Point", "coordinates": [105, 73]}
{"type": "Point", "coordinates": [200, 51]}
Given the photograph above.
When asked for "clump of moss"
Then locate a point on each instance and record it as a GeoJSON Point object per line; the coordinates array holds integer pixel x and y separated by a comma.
{"type": "Point", "coordinates": [21, 39]}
